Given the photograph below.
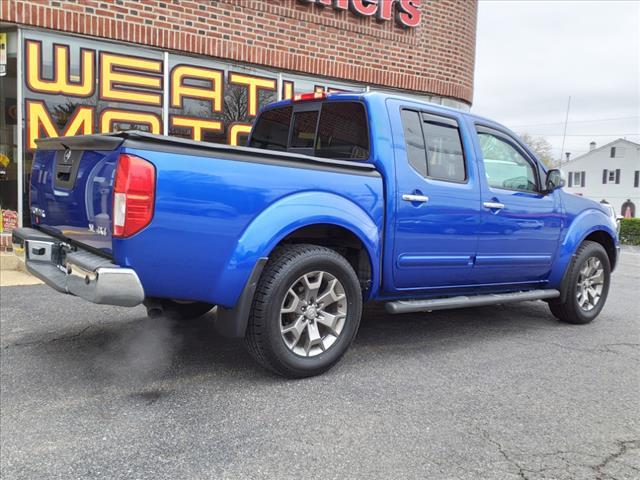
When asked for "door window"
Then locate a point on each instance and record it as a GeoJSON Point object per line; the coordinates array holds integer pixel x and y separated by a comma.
{"type": "Point", "coordinates": [414, 141]}
{"type": "Point", "coordinates": [433, 146]}
{"type": "Point", "coordinates": [504, 166]}
{"type": "Point", "coordinates": [445, 160]}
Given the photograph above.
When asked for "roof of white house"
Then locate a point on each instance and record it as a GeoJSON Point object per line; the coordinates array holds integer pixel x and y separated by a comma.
{"type": "Point", "coordinates": [608, 145]}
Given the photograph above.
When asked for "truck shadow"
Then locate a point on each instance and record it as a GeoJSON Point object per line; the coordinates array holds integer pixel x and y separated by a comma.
{"type": "Point", "coordinates": [465, 325]}
{"type": "Point", "coordinates": [142, 351]}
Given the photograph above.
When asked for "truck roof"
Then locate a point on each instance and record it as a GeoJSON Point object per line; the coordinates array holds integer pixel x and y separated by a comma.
{"type": "Point", "coordinates": [382, 96]}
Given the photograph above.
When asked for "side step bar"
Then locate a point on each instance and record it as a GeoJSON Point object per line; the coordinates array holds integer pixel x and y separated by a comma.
{"type": "Point", "coordinates": [408, 306]}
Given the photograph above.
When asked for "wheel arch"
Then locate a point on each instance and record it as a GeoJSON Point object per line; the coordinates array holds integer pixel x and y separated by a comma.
{"type": "Point", "coordinates": [342, 240]}
{"type": "Point", "coordinates": [607, 241]}
{"type": "Point", "coordinates": [318, 218]}
{"type": "Point", "coordinates": [591, 225]}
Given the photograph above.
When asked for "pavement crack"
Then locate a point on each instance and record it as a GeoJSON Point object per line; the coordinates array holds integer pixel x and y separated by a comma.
{"type": "Point", "coordinates": [609, 346]}
{"type": "Point", "coordinates": [51, 340]}
{"type": "Point", "coordinates": [507, 457]}
{"type": "Point", "coordinates": [623, 447]}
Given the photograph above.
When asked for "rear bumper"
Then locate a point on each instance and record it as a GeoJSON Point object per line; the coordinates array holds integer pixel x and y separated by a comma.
{"type": "Point", "coordinates": [75, 271]}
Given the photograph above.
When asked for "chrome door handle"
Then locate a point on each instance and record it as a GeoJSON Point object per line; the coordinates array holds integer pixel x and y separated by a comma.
{"type": "Point", "coordinates": [407, 197]}
{"type": "Point", "coordinates": [493, 205]}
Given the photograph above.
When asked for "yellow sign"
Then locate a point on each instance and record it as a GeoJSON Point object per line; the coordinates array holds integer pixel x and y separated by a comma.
{"type": "Point", "coordinates": [73, 89]}
{"type": "Point", "coordinates": [134, 81]}
{"type": "Point", "coordinates": [3, 54]}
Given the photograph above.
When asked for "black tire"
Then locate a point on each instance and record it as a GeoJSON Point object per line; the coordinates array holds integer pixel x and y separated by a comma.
{"type": "Point", "coordinates": [264, 339]}
{"type": "Point", "coordinates": [178, 311]}
{"type": "Point", "coordinates": [570, 311]}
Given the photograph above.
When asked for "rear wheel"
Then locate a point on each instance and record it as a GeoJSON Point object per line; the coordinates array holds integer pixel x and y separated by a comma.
{"type": "Point", "coordinates": [587, 285]}
{"type": "Point", "coordinates": [305, 312]}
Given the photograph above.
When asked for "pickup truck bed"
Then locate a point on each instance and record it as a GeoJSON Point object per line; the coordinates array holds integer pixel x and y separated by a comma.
{"type": "Point", "coordinates": [208, 200]}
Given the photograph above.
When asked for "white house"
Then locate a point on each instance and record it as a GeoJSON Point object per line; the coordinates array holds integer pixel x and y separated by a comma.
{"type": "Point", "coordinates": [610, 173]}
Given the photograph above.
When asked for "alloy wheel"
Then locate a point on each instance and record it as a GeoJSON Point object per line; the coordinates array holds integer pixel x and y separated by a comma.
{"type": "Point", "coordinates": [313, 313]}
{"type": "Point", "coordinates": [590, 284]}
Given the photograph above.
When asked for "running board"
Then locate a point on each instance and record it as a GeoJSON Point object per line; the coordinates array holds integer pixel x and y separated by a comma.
{"type": "Point", "coordinates": [408, 306]}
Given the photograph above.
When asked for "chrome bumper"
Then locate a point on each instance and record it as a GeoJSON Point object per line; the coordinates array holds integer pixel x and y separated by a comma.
{"type": "Point", "coordinates": [77, 272]}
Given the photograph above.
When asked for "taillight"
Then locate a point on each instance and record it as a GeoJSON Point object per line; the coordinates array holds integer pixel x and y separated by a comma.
{"type": "Point", "coordinates": [133, 195]}
{"type": "Point", "coordinates": [306, 97]}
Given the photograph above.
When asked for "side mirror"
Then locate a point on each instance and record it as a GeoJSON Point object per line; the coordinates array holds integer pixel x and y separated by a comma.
{"type": "Point", "coordinates": [554, 180]}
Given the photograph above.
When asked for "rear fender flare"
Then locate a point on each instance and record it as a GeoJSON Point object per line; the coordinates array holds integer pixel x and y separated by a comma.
{"type": "Point", "coordinates": [286, 216]}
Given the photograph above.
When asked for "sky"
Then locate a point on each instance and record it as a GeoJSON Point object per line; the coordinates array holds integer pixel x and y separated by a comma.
{"type": "Point", "coordinates": [532, 55]}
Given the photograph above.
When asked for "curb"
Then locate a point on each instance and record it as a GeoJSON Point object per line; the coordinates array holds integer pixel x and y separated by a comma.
{"type": "Point", "coordinates": [11, 262]}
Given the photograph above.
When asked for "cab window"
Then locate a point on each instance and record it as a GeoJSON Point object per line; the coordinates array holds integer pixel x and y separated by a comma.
{"type": "Point", "coordinates": [303, 134]}
{"type": "Point", "coordinates": [272, 131]}
{"type": "Point", "coordinates": [433, 146]}
{"type": "Point", "coordinates": [325, 129]}
{"type": "Point", "coordinates": [504, 166]}
{"type": "Point", "coordinates": [343, 132]}
{"type": "Point", "coordinates": [414, 141]}
{"type": "Point", "coordinates": [445, 160]}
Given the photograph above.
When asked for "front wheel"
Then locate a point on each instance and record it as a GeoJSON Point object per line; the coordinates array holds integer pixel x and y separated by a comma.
{"type": "Point", "coordinates": [305, 312]}
{"type": "Point", "coordinates": [587, 285]}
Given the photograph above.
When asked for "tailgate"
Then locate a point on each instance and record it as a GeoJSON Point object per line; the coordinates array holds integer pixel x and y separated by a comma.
{"type": "Point", "coordinates": [71, 191]}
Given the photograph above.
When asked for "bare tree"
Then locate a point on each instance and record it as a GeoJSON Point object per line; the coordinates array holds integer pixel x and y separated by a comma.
{"type": "Point", "coordinates": [541, 147]}
{"type": "Point", "coordinates": [235, 105]}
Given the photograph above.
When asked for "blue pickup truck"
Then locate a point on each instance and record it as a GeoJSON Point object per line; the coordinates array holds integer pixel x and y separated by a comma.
{"type": "Point", "coordinates": [338, 200]}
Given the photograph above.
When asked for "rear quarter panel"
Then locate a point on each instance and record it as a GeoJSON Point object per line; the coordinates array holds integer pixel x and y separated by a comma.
{"type": "Point", "coordinates": [215, 218]}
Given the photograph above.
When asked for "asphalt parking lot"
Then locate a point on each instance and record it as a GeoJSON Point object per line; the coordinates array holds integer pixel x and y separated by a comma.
{"type": "Point", "coordinates": [496, 392]}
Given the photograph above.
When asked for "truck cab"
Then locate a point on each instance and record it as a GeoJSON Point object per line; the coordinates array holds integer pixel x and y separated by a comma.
{"type": "Point", "coordinates": [337, 200]}
{"type": "Point", "coordinates": [468, 204]}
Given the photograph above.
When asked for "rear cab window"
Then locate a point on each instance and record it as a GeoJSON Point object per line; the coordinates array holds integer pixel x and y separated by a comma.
{"type": "Point", "coordinates": [333, 129]}
{"type": "Point", "coordinates": [303, 132]}
{"type": "Point", "coordinates": [272, 130]}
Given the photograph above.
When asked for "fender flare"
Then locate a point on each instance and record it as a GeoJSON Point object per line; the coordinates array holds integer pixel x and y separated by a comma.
{"type": "Point", "coordinates": [581, 227]}
{"type": "Point", "coordinates": [275, 223]}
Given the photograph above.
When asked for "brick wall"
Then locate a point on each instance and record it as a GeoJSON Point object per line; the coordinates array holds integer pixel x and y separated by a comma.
{"type": "Point", "coordinates": [436, 57]}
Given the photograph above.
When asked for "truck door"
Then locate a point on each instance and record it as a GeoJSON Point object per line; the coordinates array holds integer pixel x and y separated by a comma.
{"type": "Point", "coordinates": [521, 225]}
{"type": "Point", "coordinates": [437, 200]}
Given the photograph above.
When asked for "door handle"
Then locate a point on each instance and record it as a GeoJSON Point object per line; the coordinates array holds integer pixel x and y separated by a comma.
{"type": "Point", "coordinates": [493, 205]}
{"type": "Point", "coordinates": [409, 197]}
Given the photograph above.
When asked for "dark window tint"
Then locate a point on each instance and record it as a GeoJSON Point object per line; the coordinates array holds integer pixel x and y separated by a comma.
{"type": "Point", "coordinates": [272, 129]}
{"type": "Point", "coordinates": [343, 132]}
{"type": "Point", "coordinates": [636, 179]}
{"type": "Point", "coordinates": [304, 129]}
{"type": "Point", "coordinates": [416, 153]}
{"type": "Point", "coordinates": [445, 160]}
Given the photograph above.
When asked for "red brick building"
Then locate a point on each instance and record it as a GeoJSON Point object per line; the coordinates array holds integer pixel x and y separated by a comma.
{"type": "Point", "coordinates": [202, 69]}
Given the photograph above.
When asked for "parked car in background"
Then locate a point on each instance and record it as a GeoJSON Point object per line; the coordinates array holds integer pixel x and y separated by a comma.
{"type": "Point", "coordinates": [338, 200]}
